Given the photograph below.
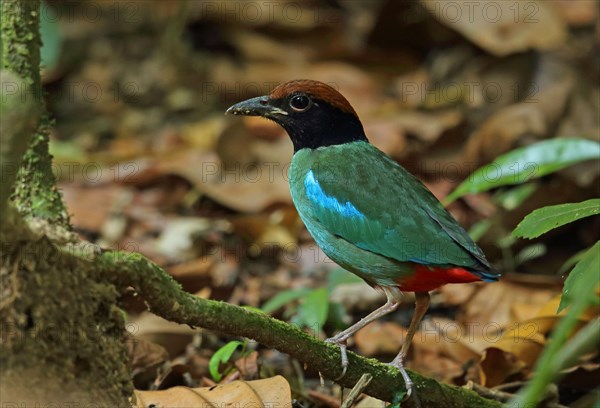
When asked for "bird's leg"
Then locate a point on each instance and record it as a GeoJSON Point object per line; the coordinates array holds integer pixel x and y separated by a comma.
{"type": "Point", "coordinates": [341, 338]}
{"type": "Point", "coordinates": [421, 306]}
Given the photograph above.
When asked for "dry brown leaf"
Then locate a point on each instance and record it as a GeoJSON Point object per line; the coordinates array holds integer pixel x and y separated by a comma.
{"type": "Point", "coordinates": [355, 84]}
{"type": "Point", "coordinates": [380, 338]}
{"type": "Point", "coordinates": [386, 135]}
{"type": "Point", "coordinates": [534, 117]}
{"type": "Point", "coordinates": [89, 207]}
{"type": "Point", "coordinates": [502, 27]}
{"type": "Point", "coordinates": [172, 336]}
{"type": "Point", "coordinates": [193, 269]}
{"type": "Point", "coordinates": [576, 13]}
{"type": "Point", "coordinates": [324, 399]}
{"type": "Point", "coordinates": [248, 188]}
{"type": "Point", "coordinates": [454, 295]}
{"type": "Point", "coordinates": [520, 345]}
{"type": "Point", "coordinates": [449, 341]}
{"type": "Point", "coordinates": [248, 366]}
{"type": "Point", "coordinates": [496, 366]}
{"type": "Point", "coordinates": [492, 305]}
{"type": "Point", "coordinates": [274, 391]}
{"type": "Point", "coordinates": [359, 296]}
{"type": "Point", "coordinates": [276, 228]}
{"type": "Point", "coordinates": [429, 358]}
{"type": "Point", "coordinates": [145, 354]}
{"type": "Point", "coordinates": [204, 133]}
{"type": "Point", "coordinates": [428, 127]}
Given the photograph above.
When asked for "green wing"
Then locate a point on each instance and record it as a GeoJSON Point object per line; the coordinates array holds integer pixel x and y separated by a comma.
{"type": "Point", "coordinates": [357, 193]}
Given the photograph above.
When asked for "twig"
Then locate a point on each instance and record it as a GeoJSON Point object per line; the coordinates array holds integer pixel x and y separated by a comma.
{"type": "Point", "coordinates": [360, 386]}
{"type": "Point", "coordinates": [488, 392]}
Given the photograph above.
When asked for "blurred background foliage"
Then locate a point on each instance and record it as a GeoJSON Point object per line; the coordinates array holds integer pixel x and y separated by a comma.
{"type": "Point", "coordinates": [148, 162]}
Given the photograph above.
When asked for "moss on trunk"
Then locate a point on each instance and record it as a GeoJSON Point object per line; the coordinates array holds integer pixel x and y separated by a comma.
{"type": "Point", "coordinates": [35, 192]}
{"type": "Point", "coordinates": [61, 333]}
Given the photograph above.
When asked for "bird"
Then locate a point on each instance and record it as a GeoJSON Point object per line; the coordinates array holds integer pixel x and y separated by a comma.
{"type": "Point", "coordinates": [364, 210]}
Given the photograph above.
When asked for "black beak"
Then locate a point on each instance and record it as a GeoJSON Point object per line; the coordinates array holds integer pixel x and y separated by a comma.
{"type": "Point", "coordinates": [259, 106]}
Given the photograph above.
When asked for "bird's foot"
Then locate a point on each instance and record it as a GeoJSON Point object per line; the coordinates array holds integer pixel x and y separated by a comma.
{"type": "Point", "coordinates": [398, 362]}
{"type": "Point", "coordinates": [341, 343]}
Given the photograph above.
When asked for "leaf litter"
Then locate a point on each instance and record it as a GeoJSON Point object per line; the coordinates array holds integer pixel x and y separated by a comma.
{"type": "Point", "coordinates": [161, 171]}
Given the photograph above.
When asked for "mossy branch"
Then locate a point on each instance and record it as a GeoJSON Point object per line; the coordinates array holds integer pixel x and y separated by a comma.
{"type": "Point", "coordinates": [166, 298]}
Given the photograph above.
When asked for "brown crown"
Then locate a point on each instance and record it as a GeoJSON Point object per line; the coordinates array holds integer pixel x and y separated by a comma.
{"type": "Point", "coordinates": [317, 90]}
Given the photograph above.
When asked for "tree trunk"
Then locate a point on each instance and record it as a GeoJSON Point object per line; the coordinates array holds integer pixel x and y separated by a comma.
{"type": "Point", "coordinates": [61, 333]}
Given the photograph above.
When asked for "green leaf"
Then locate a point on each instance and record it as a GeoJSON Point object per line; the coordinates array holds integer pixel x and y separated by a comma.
{"type": "Point", "coordinates": [530, 252]}
{"type": "Point", "coordinates": [479, 229]}
{"type": "Point", "coordinates": [313, 311]}
{"type": "Point", "coordinates": [526, 163]}
{"type": "Point", "coordinates": [585, 275]}
{"type": "Point", "coordinates": [514, 197]}
{"type": "Point", "coordinates": [579, 293]}
{"type": "Point", "coordinates": [283, 298]}
{"type": "Point", "coordinates": [570, 263]}
{"type": "Point", "coordinates": [222, 355]}
{"type": "Point", "coordinates": [337, 316]}
{"type": "Point", "coordinates": [545, 219]}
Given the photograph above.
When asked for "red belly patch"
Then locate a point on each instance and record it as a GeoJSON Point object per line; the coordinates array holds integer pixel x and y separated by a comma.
{"type": "Point", "coordinates": [429, 278]}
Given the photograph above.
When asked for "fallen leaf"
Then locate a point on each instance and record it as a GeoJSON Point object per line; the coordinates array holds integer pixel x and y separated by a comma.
{"type": "Point", "coordinates": [520, 345]}
{"type": "Point", "coordinates": [173, 337]}
{"type": "Point", "coordinates": [192, 269]}
{"type": "Point", "coordinates": [496, 366]}
{"type": "Point", "coordinates": [274, 391]}
{"type": "Point", "coordinates": [502, 28]}
{"type": "Point", "coordinates": [249, 188]}
{"type": "Point", "coordinates": [534, 117]}
{"type": "Point", "coordinates": [576, 13]}
{"type": "Point", "coordinates": [380, 338]}
{"type": "Point", "coordinates": [491, 308]}
{"type": "Point", "coordinates": [89, 206]}
{"type": "Point", "coordinates": [145, 354]}
{"type": "Point", "coordinates": [248, 365]}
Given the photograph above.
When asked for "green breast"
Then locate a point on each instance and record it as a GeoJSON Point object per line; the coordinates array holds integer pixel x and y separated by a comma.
{"type": "Point", "coordinates": [323, 222]}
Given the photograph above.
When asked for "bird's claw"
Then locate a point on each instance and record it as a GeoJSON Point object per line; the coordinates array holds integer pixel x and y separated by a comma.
{"type": "Point", "coordinates": [342, 345]}
{"type": "Point", "coordinates": [398, 362]}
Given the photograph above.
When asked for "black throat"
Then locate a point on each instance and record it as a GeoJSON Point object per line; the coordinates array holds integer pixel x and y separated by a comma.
{"type": "Point", "coordinates": [324, 125]}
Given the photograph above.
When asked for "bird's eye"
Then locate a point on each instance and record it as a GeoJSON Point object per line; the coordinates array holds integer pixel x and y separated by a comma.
{"type": "Point", "coordinates": [300, 103]}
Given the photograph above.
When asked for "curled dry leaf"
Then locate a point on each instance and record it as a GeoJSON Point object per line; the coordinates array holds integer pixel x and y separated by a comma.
{"type": "Point", "coordinates": [502, 27]}
{"type": "Point", "coordinates": [534, 117]}
{"type": "Point", "coordinates": [145, 354]}
{"type": "Point", "coordinates": [172, 336]}
{"type": "Point", "coordinates": [248, 188]}
{"type": "Point", "coordinates": [521, 344]}
{"type": "Point", "coordinates": [273, 391]}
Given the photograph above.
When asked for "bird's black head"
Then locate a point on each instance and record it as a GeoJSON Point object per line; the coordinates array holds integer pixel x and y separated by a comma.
{"type": "Point", "coordinates": [313, 113]}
